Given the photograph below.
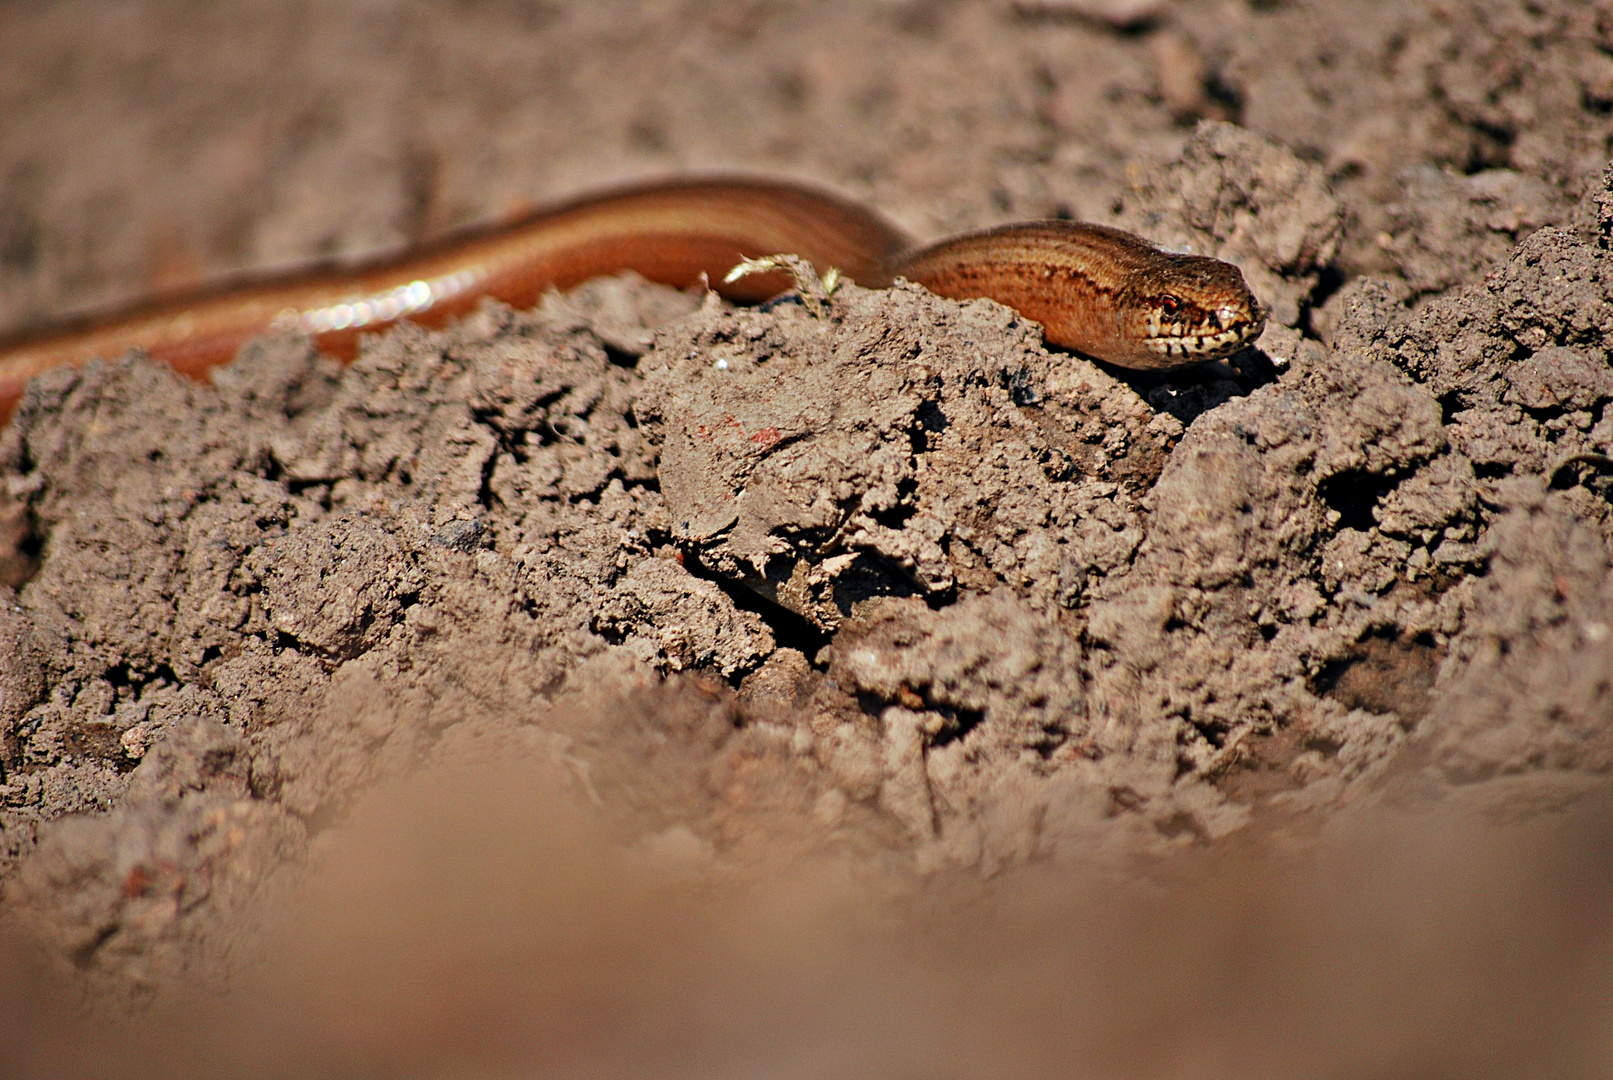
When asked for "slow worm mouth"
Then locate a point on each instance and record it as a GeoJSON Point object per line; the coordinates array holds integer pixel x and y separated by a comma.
{"type": "Point", "coordinates": [1238, 327]}
{"type": "Point", "coordinates": [1201, 347]}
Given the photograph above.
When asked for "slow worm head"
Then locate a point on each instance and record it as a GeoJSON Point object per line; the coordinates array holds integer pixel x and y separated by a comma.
{"type": "Point", "coordinates": [1097, 290]}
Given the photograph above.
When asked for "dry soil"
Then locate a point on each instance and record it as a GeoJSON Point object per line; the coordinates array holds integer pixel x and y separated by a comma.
{"type": "Point", "coordinates": [847, 685]}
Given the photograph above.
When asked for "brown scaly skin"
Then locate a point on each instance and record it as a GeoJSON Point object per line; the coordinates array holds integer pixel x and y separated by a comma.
{"type": "Point", "coordinates": [1102, 292]}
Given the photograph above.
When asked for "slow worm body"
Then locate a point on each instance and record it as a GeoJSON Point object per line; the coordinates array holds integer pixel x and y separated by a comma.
{"type": "Point", "coordinates": [1099, 291]}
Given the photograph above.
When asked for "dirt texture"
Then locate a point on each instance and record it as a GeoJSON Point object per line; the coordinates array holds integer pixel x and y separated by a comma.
{"type": "Point", "coordinates": [866, 581]}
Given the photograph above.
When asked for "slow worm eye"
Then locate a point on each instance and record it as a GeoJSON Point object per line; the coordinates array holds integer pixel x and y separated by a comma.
{"type": "Point", "coordinates": [1169, 304]}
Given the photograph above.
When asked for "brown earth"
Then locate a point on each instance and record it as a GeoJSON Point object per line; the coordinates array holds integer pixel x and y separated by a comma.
{"type": "Point", "coordinates": [842, 686]}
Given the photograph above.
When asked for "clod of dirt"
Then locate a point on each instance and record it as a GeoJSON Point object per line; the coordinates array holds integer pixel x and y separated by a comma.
{"type": "Point", "coordinates": [1447, 228]}
{"type": "Point", "coordinates": [900, 447]}
{"type": "Point", "coordinates": [141, 890]}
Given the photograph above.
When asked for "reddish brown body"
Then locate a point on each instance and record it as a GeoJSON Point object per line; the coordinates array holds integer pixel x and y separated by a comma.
{"type": "Point", "coordinates": [1095, 290]}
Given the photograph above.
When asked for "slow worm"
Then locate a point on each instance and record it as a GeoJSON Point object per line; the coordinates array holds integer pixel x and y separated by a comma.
{"type": "Point", "coordinates": [1099, 291]}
